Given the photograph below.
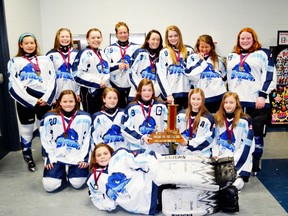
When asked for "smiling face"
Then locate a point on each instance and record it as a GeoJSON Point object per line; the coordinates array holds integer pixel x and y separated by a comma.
{"type": "Point", "coordinates": [154, 41]}
{"type": "Point", "coordinates": [173, 37]}
{"type": "Point", "coordinates": [68, 102]}
{"type": "Point", "coordinates": [28, 45]}
{"type": "Point", "coordinates": [122, 34]}
{"type": "Point", "coordinates": [102, 156]}
{"type": "Point", "coordinates": [146, 92]}
{"type": "Point", "coordinates": [230, 104]}
{"type": "Point", "coordinates": [94, 39]}
{"type": "Point", "coordinates": [111, 100]}
{"type": "Point", "coordinates": [246, 40]}
{"type": "Point", "coordinates": [196, 102]}
{"type": "Point", "coordinates": [64, 38]}
{"type": "Point", "coordinates": [204, 48]}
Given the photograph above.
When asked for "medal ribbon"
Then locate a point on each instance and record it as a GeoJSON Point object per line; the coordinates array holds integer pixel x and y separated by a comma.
{"type": "Point", "coordinates": [100, 58]}
{"type": "Point", "coordinates": [97, 177]}
{"type": "Point", "coordinates": [35, 66]}
{"type": "Point", "coordinates": [242, 59]}
{"type": "Point", "coordinates": [123, 52]}
{"type": "Point", "coordinates": [229, 132]}
{"type": "Point", "coordinates": [69, 123]}
{"type": "Point", "coordinates": [149, 112]}
{"type": "Point", "coordinates": [191, 122]}
{"type": "Point", "coordinates": [177, 56]}
{"type": "Point", "coordinates": [151, 62]}
{"type": "Point", "coordinates": [64, 58]}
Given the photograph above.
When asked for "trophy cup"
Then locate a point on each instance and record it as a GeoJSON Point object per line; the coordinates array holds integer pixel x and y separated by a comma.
{"type": "Point", "coordinates": [171, 134]}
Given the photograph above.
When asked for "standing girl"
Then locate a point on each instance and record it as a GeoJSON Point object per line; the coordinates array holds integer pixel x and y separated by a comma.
{"type": "Point", "coordinates": [119, 55]}
{"type": "Point", "coordinates": [251, 74]}
{"type": "Point", "coordinates": [65, 137]}
{"type": "Point", "coordinates": [146, 114]}
{"type": "Point", "coordinates": [91, 71]}
{"type": "Point", "coordinates": [207, 71]}
{"type": "Point", "coordinates": [122, 178]}
{"type": "Point", "coordinates": [62, 56]}
{"type": "Point", "coordinates": [107, 122]}
{"type": "Point", "coordinates": [234, 137]}
{"type": "Point", "coordinates": [196, 125]}
{"type": "Point", "coordinates": [32, 85]}
{"type": "Point", "coordinates": [172, 65]}
{"type": "Point", "coordinates": [144, 64]}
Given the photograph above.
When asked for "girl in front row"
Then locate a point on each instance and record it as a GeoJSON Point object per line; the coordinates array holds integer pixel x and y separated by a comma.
{"type": "Point", "coordinates": [196, 125]}
{"type": "Point", "coordinates": [122, 178]}
{"type": "Point", "coordinates": [234, 137]}
{"type": "Point", "coordinates": [65, 137]}
{"type": "Point", "coordinates": [146, 114]}
{"type": "Point", "coordinates": [107, 122]}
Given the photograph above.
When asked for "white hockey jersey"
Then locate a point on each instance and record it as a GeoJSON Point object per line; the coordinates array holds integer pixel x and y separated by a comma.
{"type": "Point", "coordinates": [201, 142]}
{"type": "Point", "coordinates": [126, 182]}
{"type": "Point", "coordinates": [71, 150]}
{"type": "Point", "coordinates": [203, 76]}
{"type": "Point", "coordinates": [107, 129]}
{"type": "Point", "coordinates": [24, 81]}
{"type": "Point", "coordinates": [64, 77]}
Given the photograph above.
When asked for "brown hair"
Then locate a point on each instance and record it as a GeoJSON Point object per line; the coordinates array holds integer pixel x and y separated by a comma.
{"type": "Point", "coordinates": [93, 164]}
{"type": "Point", "coordinates": [220, 115]}
{"type": "Point", "coordinates": [92, 29]}
{"type": "Point", "coordinates": [142, 83]}
{"type": "Point", "coordinates": [146, 44]}
{"type": "Point", "coordinates": [209, 40]}
{"type": "Point", "coordinates": [106, 91]}
{"type": "Point", "coordinates": [58, 107]}
{"type": "Point", "coordinates": [57, 38]}
{"type": "Point", "coordinates": [20, 42]}
{"type": "Point", "coordinates": [180, 45]}
{"type": "Point", "coordinates": [202, 111]}
{"type": "Point", "coordinates": [256, 45]}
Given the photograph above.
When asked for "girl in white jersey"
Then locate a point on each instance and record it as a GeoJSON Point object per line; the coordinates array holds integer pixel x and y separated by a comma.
{"type": "Point", "coordinates": [62, 56]}
{"type": "Point", "coordinates": [65, 137]}
{"type": "Point", "coordinates": [32, 85]}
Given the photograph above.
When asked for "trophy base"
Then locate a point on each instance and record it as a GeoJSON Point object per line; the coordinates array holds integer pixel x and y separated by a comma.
{"type": "Point", "coordinates": [166, 136]}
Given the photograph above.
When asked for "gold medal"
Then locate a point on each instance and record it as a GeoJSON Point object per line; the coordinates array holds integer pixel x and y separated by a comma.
{"type": "Point", "coordinates": [65, 135]}
{"type": "Point", "coordinates": [123, 60]}
{"type": "Point", "coordinates": [178, 63]}
{"type": "Point", "coordinates": [153, 70]}
{"type": "Point", "coordinates": [241, 68]}
{"type": "Point", "coordinates": [38, 73]}
{"type": "Point", "coordinates": [229, 141]}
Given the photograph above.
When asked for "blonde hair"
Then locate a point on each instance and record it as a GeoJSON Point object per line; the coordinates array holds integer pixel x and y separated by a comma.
{"type": "Point", "coordinates": [180, 45]}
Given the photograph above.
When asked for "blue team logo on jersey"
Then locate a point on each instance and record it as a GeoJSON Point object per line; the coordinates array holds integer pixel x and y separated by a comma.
{"type": "Point", "coordinates": [148, 73]}
{"type": "Point", "coordinates": [242, 74]}
{"type": "Point", "coordinates": [69, 143]}
{"type": "Point", "coordinates": [209, 74]}
{"type": "Point", "coordinates": [223, 142]}
{"type": "Point", "coordinates": [116, 184]}
{"type": "Point", "coordinates": [113, 135]}
{"type": "Point", "coordinates": [103, 68]}
{"type": "Point", "coordinates": [148, 126]}
{"type": "Point", "coordinates": [177, 69]}
{"type": "Point", "coordinates": [29, 73]}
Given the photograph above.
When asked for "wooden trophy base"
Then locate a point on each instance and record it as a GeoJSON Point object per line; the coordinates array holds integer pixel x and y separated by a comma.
{"type": "Point", "coordinates": [171, 136]}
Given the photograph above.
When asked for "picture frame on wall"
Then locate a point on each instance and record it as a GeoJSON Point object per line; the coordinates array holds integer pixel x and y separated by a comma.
{"type": "Point", "coordinates": [282, 38]}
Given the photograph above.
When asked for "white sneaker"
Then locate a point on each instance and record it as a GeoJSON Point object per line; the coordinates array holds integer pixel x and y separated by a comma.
{"type": "Point", "coordinates": [239, 183]}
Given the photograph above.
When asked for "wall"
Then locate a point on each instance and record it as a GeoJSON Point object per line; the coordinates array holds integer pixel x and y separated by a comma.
{"type": "Point", "coordinates": [222, 18]}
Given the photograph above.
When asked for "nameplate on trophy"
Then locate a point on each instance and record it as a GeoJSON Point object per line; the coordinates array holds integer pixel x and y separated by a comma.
{"type": "Point", "coordinates": [171, 133]}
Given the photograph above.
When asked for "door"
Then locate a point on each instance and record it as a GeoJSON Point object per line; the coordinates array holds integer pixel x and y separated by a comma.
{"type": "Point", "coordinates": [9, 135]}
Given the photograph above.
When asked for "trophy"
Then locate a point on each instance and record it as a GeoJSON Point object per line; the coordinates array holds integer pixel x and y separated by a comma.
{"type": "Point", "coordinates": [171, 133]}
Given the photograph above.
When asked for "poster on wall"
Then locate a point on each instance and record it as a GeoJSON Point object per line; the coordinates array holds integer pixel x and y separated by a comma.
{"type": "Point", "coordinates": [282, 38]}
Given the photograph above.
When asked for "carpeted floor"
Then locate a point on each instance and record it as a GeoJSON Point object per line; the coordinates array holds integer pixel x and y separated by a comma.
{"type": "Point", "coordinates": [274, 176]}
